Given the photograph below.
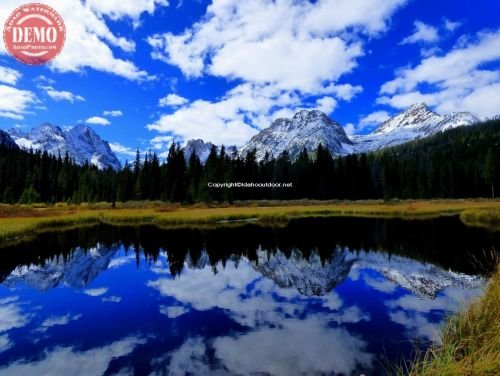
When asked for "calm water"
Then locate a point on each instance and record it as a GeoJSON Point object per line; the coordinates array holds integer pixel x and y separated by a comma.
{"type": "Point", "coordinates": [320, 296]}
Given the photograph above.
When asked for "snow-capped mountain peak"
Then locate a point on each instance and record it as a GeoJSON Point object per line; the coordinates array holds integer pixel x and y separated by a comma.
{"type": "Point", "coordinates": [416, 116]}
{"type": "Point", "coordinates": [306, 129]}
{"type": "Point", "coordinates": [417, 122]}
{"type": "Point", "coordinates": [200, 147]}
{"type": "Point", "coordinates": [81, 143]}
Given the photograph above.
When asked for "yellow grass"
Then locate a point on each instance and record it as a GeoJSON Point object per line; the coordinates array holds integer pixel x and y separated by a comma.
{"type": "Point", "coordinates": [489, 217]}
{"type": "Point", "coordinates": [470, 341]}
{"type": "Point", "coordinates": [18, 221]}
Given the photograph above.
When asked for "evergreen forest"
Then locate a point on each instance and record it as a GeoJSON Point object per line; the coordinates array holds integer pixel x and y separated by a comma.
{"type": "Point", "coordinates": [459, 163]}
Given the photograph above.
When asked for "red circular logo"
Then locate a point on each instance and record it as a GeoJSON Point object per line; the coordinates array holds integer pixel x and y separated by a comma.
{"type": "Point", "coordinates": [34, 34]}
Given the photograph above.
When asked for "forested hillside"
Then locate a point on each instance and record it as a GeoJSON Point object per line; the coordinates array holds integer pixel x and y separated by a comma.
{"type": "Point", "coordinates": [462, 162]}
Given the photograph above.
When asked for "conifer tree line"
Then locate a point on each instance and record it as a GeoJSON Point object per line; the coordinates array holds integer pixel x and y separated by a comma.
{"type": "Point", "coordinates": [462, 162]}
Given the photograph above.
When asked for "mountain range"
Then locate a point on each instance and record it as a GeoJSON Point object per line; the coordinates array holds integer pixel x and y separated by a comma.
{"type": "Point", "coordinates": [416, 122]}
{"type": "Point", "coordinates": [307, 129]}
{"type": "Point", "coordinates": [80, 142]}
{"type": "Point", "coordinates": [309, 276]}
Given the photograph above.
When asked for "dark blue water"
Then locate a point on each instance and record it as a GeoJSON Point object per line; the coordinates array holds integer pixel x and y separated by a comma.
{"type": "Point", "coordinates": [326, 296]}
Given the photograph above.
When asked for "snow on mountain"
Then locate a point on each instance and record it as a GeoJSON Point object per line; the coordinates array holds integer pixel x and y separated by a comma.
{"type": "Point", "coordinates": [77, 271]}
{"type": "Point", "coordinates": [309, 276]}
{"type": "Point", "coordinates": [80, 142]}
{"type": "Point", "coordinates": [87, 145]}
{"type": "Point", "coordinates": [422, 279]}
{"type": "Point", "coordinates": [307, 129]}
{"type": "Point", "coordinates": [6, 141]}
{"type": "Point", "coordinates": [416, 122]}
{"type": "Point", "coordinates": [202, 149]}
{"type": "Point", "coordinates": [313, 277]}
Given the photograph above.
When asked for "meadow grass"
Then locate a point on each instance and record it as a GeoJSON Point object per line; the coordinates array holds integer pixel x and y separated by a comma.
{"type": "Point", "coordinates": [20, 220]}
{"type": "Point", "coordinates": [470, 341]}
{"type": "Point", "coordinates": [486, 217]}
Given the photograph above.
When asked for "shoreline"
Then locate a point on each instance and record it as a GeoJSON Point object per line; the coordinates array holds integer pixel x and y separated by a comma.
{"type": "Point", "coordinates": [470, 340]}
{"type": "Point", "coordinates": [17, 221]}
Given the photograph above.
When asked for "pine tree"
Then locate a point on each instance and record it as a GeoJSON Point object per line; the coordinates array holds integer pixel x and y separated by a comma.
{"type": "Point", "coordinates": [490, 170]}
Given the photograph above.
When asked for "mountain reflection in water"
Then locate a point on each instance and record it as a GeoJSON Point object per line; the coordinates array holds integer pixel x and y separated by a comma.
{"type": "Point", "coordinates": [319, 296]}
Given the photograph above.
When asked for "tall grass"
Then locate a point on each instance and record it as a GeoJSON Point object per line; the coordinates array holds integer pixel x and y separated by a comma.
{"type": "Point", "coordinates": [18, 220]}
{"type": "Point", "coordinates": [470, 341]}
{"type": "Point", "coordinates": [486, 217]}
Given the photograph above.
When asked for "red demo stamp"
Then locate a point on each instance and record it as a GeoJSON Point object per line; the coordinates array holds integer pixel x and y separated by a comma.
{"type": "Point", "coordinates": [34, 34]}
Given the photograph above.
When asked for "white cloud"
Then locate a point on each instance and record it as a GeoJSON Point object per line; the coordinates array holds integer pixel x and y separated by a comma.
{"type": "Point", "coordinates": [296, 51]}
{"type": "Point", "coordinates": [173, 312]}
{"type": "Point", "coordinates": [451, 25]}
{"type": "Point", "coordinates": [457, 81]}
{"type": "Point", "coordinates": [68, 361]}
{"type": "Point", "coordinates": [235, 37]}
{"type": "Point", "coordinates": [97, 120]}
{"type": "Point", "coordinates": [275, 316]}
{"type": "Point", "coordinates": [9, 76]}
{"type": "Point", "coordinates": [5, 343]}
{"type": "Point", "coordinates": [172, 100]}
{"type": "Point", "coordinates": [12, 317]}
{"type": "Point", "coordinates": [89, 41]}
{"type": "Point", "coordinates": [162, 143]}
{"type": "Point", "coordinates": [118, 148]}
{"type": "Point", "coordinates": [423, 33]}
{"type": "Point", "coordinates": [226, 121]}
{"type": "Point", "coordinates": [412, 311]}
{"type": "Point", "coordinates": [237, 116]}
{"type": "Point", "coordinates": [350, 129]}
{"type": "Point", "coordinates": [326, 104]}
{"type": "Point", "coordinates": [44, 80]}
{"type": "Point", "coordinates": [113, 113]}
{"type": "Point", "coordinates": [57, 321]}
{"type": "Point", "coordinates": [375, 118]}
{"type": "Point", "coordinates": [313, 356]}
{"type": "Point", "coordinates": [96, 292]}
{"type": "Point", "coordinates": [63, 95]}
{"type": "Point", "coordinates": [117, 9]}
{"type": "Point", "coordinates": [15, 102]}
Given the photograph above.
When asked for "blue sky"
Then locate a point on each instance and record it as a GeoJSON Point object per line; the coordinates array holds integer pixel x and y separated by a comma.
{"type": "Point", "coordinates": [147, 72]}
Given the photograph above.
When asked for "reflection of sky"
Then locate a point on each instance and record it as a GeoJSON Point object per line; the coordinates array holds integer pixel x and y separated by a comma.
{"type": "Point", "coordinates": [138, 319]}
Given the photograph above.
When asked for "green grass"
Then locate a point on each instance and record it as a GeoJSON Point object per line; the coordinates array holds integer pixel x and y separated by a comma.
{"type": "Point", "coordinates": [16, 221]}
{"type": "Point", "coordinates": [489, 217]}
{"type": "Point", "coordinates": [470, 341]}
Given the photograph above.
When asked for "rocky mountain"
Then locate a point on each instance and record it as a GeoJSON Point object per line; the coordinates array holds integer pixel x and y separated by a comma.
{"type": "Point", "coordinates": [416, 122]}
{"type": "Point", "coordinates": [312, 277]}
{"type": "Point", "coordinates": [6, 141]}
{"type": "Point", "coordinates": [307, 129]}
{"type": "Point", "coordinates": [202, 149]}
{"type": "Point", "coordinates": [77, 271]}
{"type": "Point", "coordinates": [81, 142]}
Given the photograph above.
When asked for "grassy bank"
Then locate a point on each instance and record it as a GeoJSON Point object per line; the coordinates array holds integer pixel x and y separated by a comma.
{"type": "Point", "coordinates": [489, 218]}
{"type": "Point", "coordinates": [470, 341]}
{"type": "Point", "coordinates": [16, 221]}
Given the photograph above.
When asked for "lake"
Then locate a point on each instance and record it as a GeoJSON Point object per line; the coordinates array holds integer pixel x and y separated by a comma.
{"type": "Point", "coordinates": [317, 296]}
